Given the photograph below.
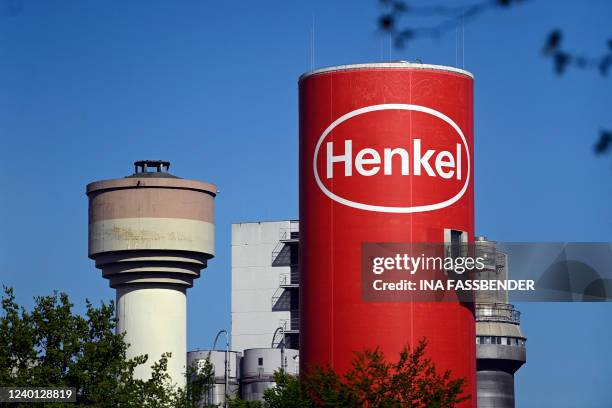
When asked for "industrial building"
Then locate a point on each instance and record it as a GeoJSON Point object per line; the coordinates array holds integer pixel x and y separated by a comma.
{"type": "Point", "coordinates": [246, 374]}
{"type": "Point", "coordinates": [386, 155]}
{"type": "Point", "coordinates": [265, 283]}
{"type": "Point", "coordinates": [265, 302]}
{"type": "Point", "coordinates": [500, 343]}
{"type": "Point", "coordinates": [265, 312]}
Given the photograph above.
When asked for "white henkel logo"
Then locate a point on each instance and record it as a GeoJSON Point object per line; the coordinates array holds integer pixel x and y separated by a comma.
{"type": "Point", "coordinates": [368, 162]}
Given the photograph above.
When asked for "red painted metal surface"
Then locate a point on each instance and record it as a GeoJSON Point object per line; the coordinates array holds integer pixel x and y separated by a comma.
{"type": "Point", "coordinates": [382, 108]}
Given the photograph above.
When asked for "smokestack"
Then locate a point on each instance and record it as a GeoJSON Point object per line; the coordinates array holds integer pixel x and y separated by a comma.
{"type": "Point", "coordinates": [151, 233]}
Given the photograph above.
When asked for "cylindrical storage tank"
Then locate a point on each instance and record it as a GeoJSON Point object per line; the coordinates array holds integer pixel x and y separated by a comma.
{"type": "Point", "coordinates": [151, 233]}
{"type": "Point", "coordinates": [217, 393]}
{"type": "Point", "coordinates": [258, 367]}
{"type": "Point", "coordinates": [356, 187]}
{"type": "Point", "coordinates": [495, 389]}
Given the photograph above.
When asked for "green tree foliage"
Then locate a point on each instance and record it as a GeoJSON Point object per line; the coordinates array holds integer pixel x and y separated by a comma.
{"type": "Point", "coordinates": [53, 347]}
{"type": "Point", "coordinates": [288, 393]}
{"type": "Point", "coordinates": [237, 402]}
{"type": "Point", "coordinates": [199, 382]}
{"type": "Point", "coordinates": [411, 382]}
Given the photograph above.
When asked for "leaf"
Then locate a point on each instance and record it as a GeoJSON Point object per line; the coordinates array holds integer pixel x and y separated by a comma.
{"type": "Point", "coordinates": [604, 144]}
{"type": "Point", "coordinates": [553, 41]}
{"type": "Point", "coordinates": [386, 22]}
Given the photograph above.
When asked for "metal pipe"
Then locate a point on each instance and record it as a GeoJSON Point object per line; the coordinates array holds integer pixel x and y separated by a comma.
{"type": "Point", "coordinates": [227, 367]}
{"type": "Point", "coordinates": [282, 344]}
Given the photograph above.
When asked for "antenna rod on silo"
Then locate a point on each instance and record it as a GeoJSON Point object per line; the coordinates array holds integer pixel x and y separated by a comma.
{"type": "Point", "coordinates": [312, 43]}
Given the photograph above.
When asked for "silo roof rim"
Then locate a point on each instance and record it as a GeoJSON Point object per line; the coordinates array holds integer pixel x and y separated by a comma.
{"type": "Point", "coordinates": [397, 64]}
{"type": "Point", "coordinates": [151, 182]}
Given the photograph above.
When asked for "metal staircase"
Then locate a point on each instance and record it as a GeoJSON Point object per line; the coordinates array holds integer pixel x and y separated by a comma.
{"type": "Point", "coordinates": [286, 296]}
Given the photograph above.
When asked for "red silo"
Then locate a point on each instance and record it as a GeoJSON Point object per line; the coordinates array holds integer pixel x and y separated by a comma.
{"type": "Point", "coordinates": [386, 155]}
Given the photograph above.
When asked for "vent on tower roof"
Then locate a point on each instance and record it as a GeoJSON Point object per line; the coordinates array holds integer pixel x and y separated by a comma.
{"type": "Point", "coordinates": [152, 168]}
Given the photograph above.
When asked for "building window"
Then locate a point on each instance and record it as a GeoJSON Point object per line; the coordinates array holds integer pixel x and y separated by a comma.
{"type": "Point", "coordinates": [455, 236]}
{"type": "Point", "coordinates": [260, 361]}
{"type": "Point", "coordinates": [454, 242]}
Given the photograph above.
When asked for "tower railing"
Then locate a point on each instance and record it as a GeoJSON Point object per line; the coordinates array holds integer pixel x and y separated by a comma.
{"type": "Point", "coordinates": [289, 279]}
{"type": "Point", "coordinates": [291, 325]}
{"type": "Point", "coordinates": [497, 312]}
{"type": "Point", "coordinates": [281, 254]}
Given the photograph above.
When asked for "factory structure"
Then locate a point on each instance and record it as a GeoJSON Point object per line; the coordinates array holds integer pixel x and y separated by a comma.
{"type": "Point", "coordinates": [500, 343]}
{"type": "Point", "coordinates": [265, 296]}
{"type": "Point", "coordinates": [265, 285]}
{"type": "Point", "coordinates": [386, 156]}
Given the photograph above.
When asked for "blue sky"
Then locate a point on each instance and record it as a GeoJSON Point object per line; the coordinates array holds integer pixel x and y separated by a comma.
{"type": "Point", "coordinates": [87, 87]}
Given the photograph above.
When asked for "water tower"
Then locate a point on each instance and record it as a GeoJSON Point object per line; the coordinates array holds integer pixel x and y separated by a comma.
{"type": "Point", "coordinates": [151, 233]}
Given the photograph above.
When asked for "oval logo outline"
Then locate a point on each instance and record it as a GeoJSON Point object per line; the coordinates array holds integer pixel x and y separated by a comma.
{"type": "Point", "coordinates": [387, 209]}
